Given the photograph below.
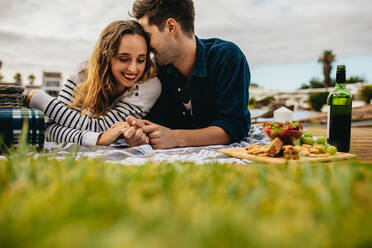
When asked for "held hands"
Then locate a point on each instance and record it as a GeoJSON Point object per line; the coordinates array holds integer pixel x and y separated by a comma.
{"type": "Point", "coordinates": [133, 135]}
{"type": "Point", "coordinates": [159, 137]}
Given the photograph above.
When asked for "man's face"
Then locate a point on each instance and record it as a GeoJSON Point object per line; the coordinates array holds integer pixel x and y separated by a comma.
{"type": "Point", "coordinates": [164, 49]}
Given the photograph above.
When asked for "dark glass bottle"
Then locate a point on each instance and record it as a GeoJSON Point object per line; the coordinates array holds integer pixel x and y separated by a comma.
{"type": "Point", "coordinates": [339, 113]}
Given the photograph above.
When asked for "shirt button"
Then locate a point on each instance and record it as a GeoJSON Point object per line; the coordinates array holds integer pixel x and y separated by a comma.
{"type": "Point", "coordinates": [179, 89]}
{"type": "Point", "coordinates": [183, 113]}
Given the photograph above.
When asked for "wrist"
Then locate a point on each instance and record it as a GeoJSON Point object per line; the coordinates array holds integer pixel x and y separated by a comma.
{"type": "Point", "coordinates": [98, 139]}
{"type": "Point", "coordinates": [179, 139]}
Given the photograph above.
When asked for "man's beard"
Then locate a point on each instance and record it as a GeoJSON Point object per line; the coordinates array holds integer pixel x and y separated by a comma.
{"type": "Point", "coordinates": [167, 56]}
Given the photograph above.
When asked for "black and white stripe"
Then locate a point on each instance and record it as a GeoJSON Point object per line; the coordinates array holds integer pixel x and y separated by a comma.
{"type": "Point", "coordinates": [69, 125]}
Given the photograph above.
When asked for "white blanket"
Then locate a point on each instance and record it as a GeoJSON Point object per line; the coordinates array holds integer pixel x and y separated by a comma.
{"type": "Point", "coordinates": [120, 152]}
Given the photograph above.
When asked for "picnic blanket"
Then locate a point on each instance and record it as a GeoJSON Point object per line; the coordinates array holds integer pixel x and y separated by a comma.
{"type": "Point", "coordinates": [119, 152]}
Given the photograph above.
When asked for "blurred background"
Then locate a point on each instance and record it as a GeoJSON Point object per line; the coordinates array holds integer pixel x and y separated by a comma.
{"type": "Point", "coordinates": [282, 40]}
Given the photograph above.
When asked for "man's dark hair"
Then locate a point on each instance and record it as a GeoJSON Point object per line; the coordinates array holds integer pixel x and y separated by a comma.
{"type": "Point", "coordinates": [158, 11]}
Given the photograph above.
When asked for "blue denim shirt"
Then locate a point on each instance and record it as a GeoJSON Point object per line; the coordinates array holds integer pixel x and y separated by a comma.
{"type": "Point", "coordinates": [218, 91]}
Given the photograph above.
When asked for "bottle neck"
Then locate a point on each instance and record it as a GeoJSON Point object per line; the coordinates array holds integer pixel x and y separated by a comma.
{"type": "Point", "coordinates": [340, 79]}
{"type": "Point", "coordinates": [340, 85]}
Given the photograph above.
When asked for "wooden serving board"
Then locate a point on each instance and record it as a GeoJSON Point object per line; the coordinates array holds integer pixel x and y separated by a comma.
{"type": "Point", "coordinates": [241, 153]}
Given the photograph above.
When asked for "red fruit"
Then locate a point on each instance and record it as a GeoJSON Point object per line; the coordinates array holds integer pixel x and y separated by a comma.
{"type": "Point", "coordinates": [267, 131]}
{"type": "Point", "coordinates": [267, 123]}
{"type": "Point", "coordinates": [284, 132]}
{"type": "Point", "coordinates": [287, 132]}
{"type": "Point", "coordinates": [288, 126]}
{"type": "Point", "coordinates": [274, 133]}
{"type": "Point", "coordinates": [296, 133]}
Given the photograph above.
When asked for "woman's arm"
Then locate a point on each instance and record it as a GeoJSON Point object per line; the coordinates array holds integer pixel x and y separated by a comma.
{"type": "Point", "coordinates": [135, 102]}
{"type": "Point", "coordinates": [57, 133]}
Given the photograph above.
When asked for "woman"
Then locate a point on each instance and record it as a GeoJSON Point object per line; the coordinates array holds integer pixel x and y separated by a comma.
{"type": "Point", "coordinates": [120, 81]}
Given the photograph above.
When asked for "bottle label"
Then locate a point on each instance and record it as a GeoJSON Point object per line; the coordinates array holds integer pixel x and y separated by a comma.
{"type": "Point", "coordinates": [340, 101]}
{"type": "Point", "coordinates": [328, 119]}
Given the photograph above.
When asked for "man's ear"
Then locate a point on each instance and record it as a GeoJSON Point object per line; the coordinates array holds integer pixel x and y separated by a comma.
{"type": "Point", "coordinates": [171, 25]}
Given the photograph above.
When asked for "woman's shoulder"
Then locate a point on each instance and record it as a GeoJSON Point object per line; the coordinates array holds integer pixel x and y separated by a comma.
{"type": "Point", "coordinates": [151, 87]}
{"type": "Point", "coordinates": [144, 93]}
{"type": "Point", "coordinates": [150, 83]}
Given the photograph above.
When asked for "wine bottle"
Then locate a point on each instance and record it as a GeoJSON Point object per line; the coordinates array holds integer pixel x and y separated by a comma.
{"type": "Point", "coordinates": [339, 113]}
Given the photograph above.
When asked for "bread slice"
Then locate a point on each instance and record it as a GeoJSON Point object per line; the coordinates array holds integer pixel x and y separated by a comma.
{"type": "Point", "coordinates": [274, 148]}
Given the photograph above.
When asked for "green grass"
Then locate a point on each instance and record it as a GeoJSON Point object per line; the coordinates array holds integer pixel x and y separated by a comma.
{"type": "Point", "coordinates": [45, 202]}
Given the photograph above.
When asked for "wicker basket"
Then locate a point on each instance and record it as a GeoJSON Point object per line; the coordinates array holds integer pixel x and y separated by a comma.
{"type": "Point", "coordinates": [11, 96]}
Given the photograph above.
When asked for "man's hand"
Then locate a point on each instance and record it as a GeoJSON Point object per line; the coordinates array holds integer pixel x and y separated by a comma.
{"type": "Point", "coordinates": [162, 137]}
{"type": "Point", "coordinates": [159, 137]}
{"type": "Point", "coordinates": [134, 135]}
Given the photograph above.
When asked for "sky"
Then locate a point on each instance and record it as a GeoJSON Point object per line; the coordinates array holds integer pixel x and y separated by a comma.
{"type": "Point", "coordinates": [281, 39]}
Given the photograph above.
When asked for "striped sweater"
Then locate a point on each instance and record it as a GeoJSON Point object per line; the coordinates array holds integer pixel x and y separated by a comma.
{"type": "Point", "coordinates": [70, 125]}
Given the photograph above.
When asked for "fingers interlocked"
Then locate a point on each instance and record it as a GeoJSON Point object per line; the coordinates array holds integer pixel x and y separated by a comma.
{"type": "Point", "coordinates": [134, 135]}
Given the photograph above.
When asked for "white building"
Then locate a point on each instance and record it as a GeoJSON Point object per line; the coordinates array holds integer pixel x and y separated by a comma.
{"type": "Point", "coordinates": [299, 98]}
{"type": "Point", "coordinates": [259, 93]}
{"type": "Point", "coordinates": [52, 83]}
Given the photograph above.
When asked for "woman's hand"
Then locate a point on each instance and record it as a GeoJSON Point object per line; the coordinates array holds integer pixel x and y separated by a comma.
{"type": "Point", "coordinates": [112, 134]}
{"type": "Point", "coordinates": [26, 101]}
{"type": "Point", "coordinates": [134, 136]}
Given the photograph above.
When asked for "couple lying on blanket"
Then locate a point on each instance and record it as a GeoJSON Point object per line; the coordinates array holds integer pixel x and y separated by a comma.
{"type": "Point", "coordinates": [195, 95]}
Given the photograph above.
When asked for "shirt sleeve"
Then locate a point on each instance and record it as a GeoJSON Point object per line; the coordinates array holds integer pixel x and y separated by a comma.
{"type": "Point", "coordinates": [137, 102]}
{"type": "Point", "coordinates": [60, 134]}
{"type": "Point", "coordinates": [233, 79]}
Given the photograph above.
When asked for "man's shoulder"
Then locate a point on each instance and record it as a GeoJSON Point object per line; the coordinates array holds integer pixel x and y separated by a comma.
{"type": "Point", "coordinates": [220, 47]}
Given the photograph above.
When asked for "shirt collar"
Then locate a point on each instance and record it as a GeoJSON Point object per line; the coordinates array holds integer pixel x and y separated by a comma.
{"type": "Point", "coordinates": [200, 66]}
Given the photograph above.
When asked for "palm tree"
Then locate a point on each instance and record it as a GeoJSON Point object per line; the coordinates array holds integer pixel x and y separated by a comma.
{"type": "Point", "coordinates": [31, 78]}
{"type": "Point", "coordinates": [326, 59]}
{"type": "Point", "coordinates": [18, 78]}
{"type": "Point", "coordinates": [1, 76]}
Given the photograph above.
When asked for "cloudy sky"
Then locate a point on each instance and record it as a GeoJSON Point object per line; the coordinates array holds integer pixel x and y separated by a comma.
{"type": "Point", "coordinates": [281, 39]}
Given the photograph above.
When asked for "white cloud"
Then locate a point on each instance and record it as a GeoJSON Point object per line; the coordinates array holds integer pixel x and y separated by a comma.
{"type": "Point", "coordinates": [288, 31]}
{"type": "Point", "coordinates": [55, 35]}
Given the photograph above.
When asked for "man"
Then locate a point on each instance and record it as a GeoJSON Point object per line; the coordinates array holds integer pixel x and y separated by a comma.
{"type": "Point", "coordinates": [205, 82]}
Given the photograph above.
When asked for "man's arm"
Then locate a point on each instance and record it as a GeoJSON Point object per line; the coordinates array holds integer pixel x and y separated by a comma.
{"type": "Point", "coordinates": [162, 137]}
{"type": "Point", "coordinates": [212, 135]}
{"type": "Point", "coordinates": [233, 79]}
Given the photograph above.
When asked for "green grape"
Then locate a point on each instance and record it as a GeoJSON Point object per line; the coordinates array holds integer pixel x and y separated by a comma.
{"type": "Point", "coordinates": [321, 140]}
{"type": "Point", "coordinates": [331, 150]}
{"type": "Point", "coordinates": [297, 142]}
{"type": "Point", "coordinates": [308, 140]}
{"type": "Point", "coordinates": [307, 134]}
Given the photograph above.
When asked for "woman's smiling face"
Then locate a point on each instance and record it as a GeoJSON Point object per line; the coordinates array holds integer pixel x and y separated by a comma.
{"type": "Point", "coordinates": [129, 63]}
